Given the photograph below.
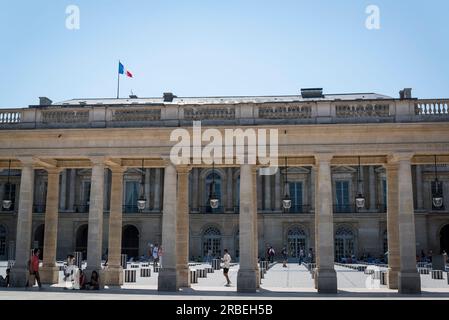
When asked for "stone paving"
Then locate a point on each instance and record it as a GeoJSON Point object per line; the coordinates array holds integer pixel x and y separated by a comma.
{"type": "Point", "coordinates": [292, 282]}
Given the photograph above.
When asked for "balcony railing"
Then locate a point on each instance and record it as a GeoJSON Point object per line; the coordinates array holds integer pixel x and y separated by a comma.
{"type": "Point", "coordinates": [155, 115]}
{"type": "Point", "coordinates": [135, 209]}
{"type": "Point", "coordinates": [81, 208]}
{"type": "Point", "coordinates": [219, 210]}
{"type": "Point", "coordinates": [300, 209]}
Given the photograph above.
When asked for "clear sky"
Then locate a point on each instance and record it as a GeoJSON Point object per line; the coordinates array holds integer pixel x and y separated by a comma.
{"type": "Point", "coordinates": [212, 48]}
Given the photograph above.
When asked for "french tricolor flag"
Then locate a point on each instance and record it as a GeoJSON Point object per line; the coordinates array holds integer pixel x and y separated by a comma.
{"type": "Point", "coordinates": [121, 70]}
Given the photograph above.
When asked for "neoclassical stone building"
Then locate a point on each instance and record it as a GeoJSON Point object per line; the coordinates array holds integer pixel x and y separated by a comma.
{"type": "Point", "coordinates": [74, 172]}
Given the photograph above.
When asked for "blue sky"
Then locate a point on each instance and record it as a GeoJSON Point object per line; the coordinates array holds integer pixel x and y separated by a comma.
{"type": "Point", "coordinates": [212, 48]}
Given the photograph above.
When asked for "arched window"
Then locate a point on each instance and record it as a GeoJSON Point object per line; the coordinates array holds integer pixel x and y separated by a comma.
{"type": "Point", "coordinates": [39, 240]}
{"type": "Point", "coordinates": [3, 250]}
{"type": "Point", "coordinates": [218, 183]}
{"type": "Point", "coordinates": [297, 241]}
{"type": "Point", "coordinates": [81, 240]}
{"type": "Point", "coordinates": [344, 243]}
{"type": "Point", "coordinates": [130, 242]}
{"type": "Point", "coordinates": [237, 245]}
{"type": "Point", "coordinates": [212, 242]}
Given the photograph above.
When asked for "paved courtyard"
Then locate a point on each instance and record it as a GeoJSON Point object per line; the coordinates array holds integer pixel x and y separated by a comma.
{"type": "Point", "coordinates": [293, 282]}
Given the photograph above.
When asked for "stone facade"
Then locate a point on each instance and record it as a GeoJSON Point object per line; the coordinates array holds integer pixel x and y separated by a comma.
{"type": "Point", "coordinates": [57, 150]}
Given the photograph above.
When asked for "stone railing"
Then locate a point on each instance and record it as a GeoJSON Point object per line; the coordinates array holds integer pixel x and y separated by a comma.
{"type": "Point", "coordinates": [285, 112]}
{"type": "Point", "coordinates": [432, 107]}
{"type": "Point", "coordinates": [10, 116]}
{"type": "Point", "coordinates": [65, 116]}
{"type": "Point", "coordinates": [172, 115]}
{"type": "Point", "coordinates": [362, 110]}
{"type": "Point", "coordinates": [209, 113]}
{"type": "Point", "coordinates": [135, 115]}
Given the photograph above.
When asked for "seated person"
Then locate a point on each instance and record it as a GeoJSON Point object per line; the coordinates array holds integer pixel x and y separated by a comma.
{"type": "Point", "coordinates": [94, 283]}
{"type": "Point", "coordinates": [82, 280]}
{"type": "Point", "coordinates": [4, 282]}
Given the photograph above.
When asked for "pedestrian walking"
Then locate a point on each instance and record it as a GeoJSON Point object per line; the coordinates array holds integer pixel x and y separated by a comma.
{"type": "Point", "coordinates": [284, 257]}
{"type": "Point", "coordinates": [226, 266]}
{"type": "Point", "coordinates": [34, 269]}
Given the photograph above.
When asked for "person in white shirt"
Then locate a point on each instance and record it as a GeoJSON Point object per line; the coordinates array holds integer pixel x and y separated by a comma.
{"type": "Point", "coordinates": [226, 265]}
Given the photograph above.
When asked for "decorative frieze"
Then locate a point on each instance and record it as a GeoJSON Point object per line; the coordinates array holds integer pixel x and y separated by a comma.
{"type": "Point", "coordinates": [360, 110]}
{"type": "Point", "coordinates": [285, 112]}
{"type": "Point", "coordinates": [209, 113]}
{"type": "Point", "coordinates": [65, 116]}
{"type": "Point", "coordinates": [136, 115]}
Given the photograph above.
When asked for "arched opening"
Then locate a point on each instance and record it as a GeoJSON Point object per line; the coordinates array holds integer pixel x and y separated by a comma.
{"type": "Point", "coordinates": [130, 242]}
{"type": "Point", "coordinates": [444, 239]}
{"type": "Point", "coordinates": [209, 179]}
{"type": "Point", "coordinates": [39, 240]}
{"type": "Point", "coordinates": [344, 244]}
{"type": "Point", "coordinates": [296, 242]}
{"type": "Point", "coordinates": [3, 248]}
{"type": "Point", "coordinates": [81, 240]}
{"type": "Point", "coordinates": [237, 245]}
{"type": "Point", "coordinates": [212, 242]}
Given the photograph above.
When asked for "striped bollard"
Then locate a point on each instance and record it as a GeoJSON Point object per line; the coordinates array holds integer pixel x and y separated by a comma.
{"type": "Point", "coordinates": [193, 276]}
{"type": "Point", "coordinates": [437, 274]}
{"type": "Point", "coordinates": [130, 275]}
{"type": "Point", "coordinates": [145, 272]}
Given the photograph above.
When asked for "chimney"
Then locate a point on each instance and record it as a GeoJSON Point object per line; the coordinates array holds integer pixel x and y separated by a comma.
{"type": "Point", "coordinates": [44, 101]}
{"type": "Point", "coordinates": [168, 97]}
{"type": "Point", "coordinates": [133, 96]}
{"type": "Point", "coordinates": [405, 94]}
{"type": "Point", "coordinates": [308, 93]}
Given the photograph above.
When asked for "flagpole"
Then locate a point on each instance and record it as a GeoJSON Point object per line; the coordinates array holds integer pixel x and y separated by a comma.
{"type": "Point", "coordinates": [118, 81]}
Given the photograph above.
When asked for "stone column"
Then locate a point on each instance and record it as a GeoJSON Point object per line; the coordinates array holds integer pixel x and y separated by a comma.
{"type": "Point", "coordinates": [247, 278]}
{"type": "Point", "coordinates": [195, 178]}
{"type": "Point", "coordinates": [72, 190]}
{"type": "Point", "coordinates": [167, 280]}
{"type": "Point", "coordinates": [267, 193]}
{"type": "Point", "coordinates": [392, 226]}
{"type": "Point", "coordinates": [63, 197]}
{"type": "Point", "coordinates": [95, 232]}
{"type": "Point", "coordinates": [260, 194]}
{"type": "Point", "coordinates": [157, 189]}
{"type": "Point", "coordinates": [182, 219]}
{"type": "Point", "coordinates": [409, 280]}
{"type": "Point", "coordinates": [312, 188]}
{"type": "Point", "coordinates": [419, 188]}
{"type": "Point", "coordinates": [277, 191]}
{"type": "Point", "coordinates": [372, 189]}
{"type": "Point", "coordinates": [114, 274]}
{"type": "Point", "coordinates": [50, 272]}
{"type": "Point", "coordinates": [19, 273]}
{"type": "Point", "coordinates": [229, 198]}
{"type": "Point", "coordinates": [147, 188]}
{"type": "Point", "coordinates": [325, 275]}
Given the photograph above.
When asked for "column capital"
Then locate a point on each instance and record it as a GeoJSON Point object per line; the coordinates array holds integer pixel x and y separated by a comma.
{"type": "Point", "coordinates": [56, 170]}
{"type": "Point", "coordinates": [183, 169]}
{"type": "Point", "coordinates": [400, 156]}
{"type": "Point", "coordinates": [323, 157]}
{"type": "Point", "coordinates": [117, 169]}
{"type": "Point", "coordinates": [27, 161]}
{"type": "Point", "coordinates": [97, 160]}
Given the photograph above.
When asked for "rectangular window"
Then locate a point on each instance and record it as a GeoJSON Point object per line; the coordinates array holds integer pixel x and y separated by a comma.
{"type": "Point", "coordinates": [296, 196]}
{"type": "Point", "coordinates": [342, 196]}
{"type": "Point", "coordinates": [131, 196]}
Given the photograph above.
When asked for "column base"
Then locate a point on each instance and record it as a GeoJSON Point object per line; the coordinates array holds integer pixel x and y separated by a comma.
{"type": "Point", "coordinates": [409, 282]}
{"type": "Point", "coordinates": [49, 275]}
{"type": "Point", "coordinates": [183, 277]}
{"type": "Point", "coordinates": [18, 277]}
{"type": "Point", "coordinates": [167, 280]}
{"type": "Point", "coordinates": [392, 279]}
{"type": "Point", "coordinates": [326, 280]}
{"type": "Point", "coordinates": [113, 276]}
{"type": "Point", "coordinates": [247, 281]}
